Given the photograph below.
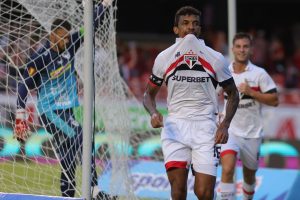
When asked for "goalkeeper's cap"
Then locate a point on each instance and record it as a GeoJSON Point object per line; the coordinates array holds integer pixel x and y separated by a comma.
{"type": "Point", "coordinates": [60, 23]}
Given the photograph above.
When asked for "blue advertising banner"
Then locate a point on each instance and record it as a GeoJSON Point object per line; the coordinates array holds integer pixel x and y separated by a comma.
{"type": "Point", "coordinates": [150, 181]}
{"type": "Point", "coordinates": [273, 153]}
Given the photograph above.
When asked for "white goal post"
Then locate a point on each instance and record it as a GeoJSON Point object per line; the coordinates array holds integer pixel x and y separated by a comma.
{"type": "Point", "coordinates": [88, 99]}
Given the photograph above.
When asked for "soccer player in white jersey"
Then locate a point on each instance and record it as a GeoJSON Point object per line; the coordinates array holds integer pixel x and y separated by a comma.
{"type": "Point", "coordinates": [191, 70]}
{"type": "Point", "coordinates": [256, 87]}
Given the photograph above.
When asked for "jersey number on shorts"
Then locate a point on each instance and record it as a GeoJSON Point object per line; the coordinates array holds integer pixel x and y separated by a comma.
{"type": "Point", "coordinates": [217, 151]}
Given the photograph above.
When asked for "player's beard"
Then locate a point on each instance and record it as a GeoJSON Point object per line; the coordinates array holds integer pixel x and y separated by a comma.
{"type": "Point", "coordinates": [61, 48]}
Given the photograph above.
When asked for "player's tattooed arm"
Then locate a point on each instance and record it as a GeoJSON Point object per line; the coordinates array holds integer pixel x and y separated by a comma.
{"type": "Point", "coordinates": [231, 106]}
{"type": "Point", "coordinates": [232, 101]}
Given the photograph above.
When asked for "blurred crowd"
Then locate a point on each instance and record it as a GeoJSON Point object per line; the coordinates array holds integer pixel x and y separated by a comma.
{"type": "Point", "coordinates": [274, 52]}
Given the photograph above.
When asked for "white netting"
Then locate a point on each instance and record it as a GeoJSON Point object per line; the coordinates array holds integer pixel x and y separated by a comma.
{"type": "Point", "coordinates": [33, 167]}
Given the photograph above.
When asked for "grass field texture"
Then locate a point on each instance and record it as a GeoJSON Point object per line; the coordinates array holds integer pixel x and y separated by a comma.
{"type": "Point", "coordinates": [32, 178]}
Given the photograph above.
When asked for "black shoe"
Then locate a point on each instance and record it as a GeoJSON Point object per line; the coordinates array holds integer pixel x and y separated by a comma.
{"type": "Point", "coordinates": [104, 196]}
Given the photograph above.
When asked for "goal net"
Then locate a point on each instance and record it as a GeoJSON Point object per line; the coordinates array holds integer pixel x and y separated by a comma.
{"type": "Point", "coordinates": [34, 167]}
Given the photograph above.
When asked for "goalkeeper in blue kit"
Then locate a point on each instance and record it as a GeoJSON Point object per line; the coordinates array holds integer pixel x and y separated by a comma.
{"type": "Point", "coordinates": [51, 71]}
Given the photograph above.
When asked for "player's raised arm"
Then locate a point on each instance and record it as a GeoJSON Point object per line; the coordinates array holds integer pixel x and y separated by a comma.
{"type": "Point", "coordinates": [98, 12]}
{"type": "Point", "coordinates": [77, 37]}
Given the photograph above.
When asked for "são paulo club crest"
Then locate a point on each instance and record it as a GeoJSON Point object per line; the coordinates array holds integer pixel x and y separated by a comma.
{"type": "Point", "coordinates": [190, 59]}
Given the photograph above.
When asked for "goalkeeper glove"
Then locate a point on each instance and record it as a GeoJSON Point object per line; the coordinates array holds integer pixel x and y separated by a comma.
{"type": "Point", "coordinates": [21, 128]}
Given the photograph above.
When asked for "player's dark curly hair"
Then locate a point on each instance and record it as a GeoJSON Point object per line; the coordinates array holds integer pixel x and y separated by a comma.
{"type": "Point", "coordinates": [186, 10]}
{"type": "Point", "coordinates": [60, 23]}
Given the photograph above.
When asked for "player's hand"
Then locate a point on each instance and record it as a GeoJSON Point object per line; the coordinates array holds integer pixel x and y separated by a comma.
{"type": "Point", "coordinates": [21, 130]}
{"type": "Point", "coordinates": [244, 88]}
{"type": "Point", "coordinates": [157, 120]}
{"type": "Point", "coordinates": [221, 134]}
{"type": "Point", "coordinates": [106, 3]}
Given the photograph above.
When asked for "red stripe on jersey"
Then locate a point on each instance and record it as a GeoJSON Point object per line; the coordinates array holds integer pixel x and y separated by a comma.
{"type": "Point", "coordinates": [207, 66]}
{"type": "Point", "coordinates": [152, 84]}
{"type": "Point", "coordinates": [248, 193]}
{"type": "Point", "coordinates": [256, 88]}
{"type": "Point", "coordinates": [174, 64]}
{"type": "Point", "coordinates": [176, 164]}
{"type": "Point", "coordinates": [229, 151]}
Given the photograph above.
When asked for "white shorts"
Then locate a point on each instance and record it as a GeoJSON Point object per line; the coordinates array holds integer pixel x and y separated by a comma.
{"type": "Point", "coordinates": [246, 149]}
{"type": "Point", "coordinates": [186, 142]}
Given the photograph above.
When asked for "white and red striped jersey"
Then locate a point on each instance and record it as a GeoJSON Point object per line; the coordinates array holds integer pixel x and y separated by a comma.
{"type": "Point", "coordinates": [247, 121]}
{"type": "Point", "coordinates": [191, 71]}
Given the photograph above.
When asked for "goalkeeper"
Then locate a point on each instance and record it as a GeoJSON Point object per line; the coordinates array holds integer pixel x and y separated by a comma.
{"type": "Point", "coordinates": [51, 71]}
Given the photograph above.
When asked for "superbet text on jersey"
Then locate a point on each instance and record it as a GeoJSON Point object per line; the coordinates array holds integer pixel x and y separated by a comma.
{"type": "Point", "coordinates": [191, 71]}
